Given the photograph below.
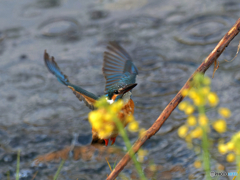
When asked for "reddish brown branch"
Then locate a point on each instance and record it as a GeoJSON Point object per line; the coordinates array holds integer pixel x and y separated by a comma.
{"type": "Point", "coordinates": [178, 98]}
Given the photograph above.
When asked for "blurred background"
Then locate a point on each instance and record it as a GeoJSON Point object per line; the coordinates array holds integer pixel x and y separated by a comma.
{"type": "Point", "coordinates": [167, 39]}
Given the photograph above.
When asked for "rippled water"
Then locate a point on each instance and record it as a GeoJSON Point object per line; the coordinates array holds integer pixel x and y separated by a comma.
{"type": "Point", "coordinates": [166, 39]}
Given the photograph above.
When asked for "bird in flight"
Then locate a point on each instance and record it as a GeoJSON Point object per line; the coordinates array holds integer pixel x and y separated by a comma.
{"type": "Point", "coordinates": [120, 74]}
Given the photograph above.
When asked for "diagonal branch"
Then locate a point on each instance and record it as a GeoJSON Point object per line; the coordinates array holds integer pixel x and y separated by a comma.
{"type": "Point", "coordinates": [178, 98]}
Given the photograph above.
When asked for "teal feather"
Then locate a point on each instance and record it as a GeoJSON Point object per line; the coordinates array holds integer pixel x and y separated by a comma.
{"type": "Point", "coordinates": [62, 78]}
{"type": "Point", "coordinates": [118, 68]}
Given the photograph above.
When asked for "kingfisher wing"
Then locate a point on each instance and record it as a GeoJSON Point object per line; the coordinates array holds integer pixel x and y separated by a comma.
{"type": "Point", "coordinates": [116, 63]}
{"type": "Point", "coordinates": [82, 94]}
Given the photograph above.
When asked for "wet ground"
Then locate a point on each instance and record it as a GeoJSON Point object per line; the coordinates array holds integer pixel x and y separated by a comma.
{"type": "Point", "coordinates": [167, 39]}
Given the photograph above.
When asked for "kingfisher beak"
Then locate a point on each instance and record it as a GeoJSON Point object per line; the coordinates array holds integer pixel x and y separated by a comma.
{"type": "Point", "coordinates": [126, 88]}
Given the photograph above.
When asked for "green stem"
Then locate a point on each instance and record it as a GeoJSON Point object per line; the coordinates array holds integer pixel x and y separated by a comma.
{"type": "Point", "coordinates": [238, 165]}
{"type": "Point", "coordinates": [8, 175]}
{"type": "Point", "coordinates": [205, 145]}
{"type": "Point", "coordinates": [59, 170]}
{"type": "Point", "coordinates": [201, 109]}
{"type": "Point", "coordinates": [18, 165]}
{"type": "Point", "coordinates": [128, 145]}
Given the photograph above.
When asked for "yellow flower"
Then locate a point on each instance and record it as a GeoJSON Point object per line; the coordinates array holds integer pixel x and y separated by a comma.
{"type": "Point", "coordinates": [189, 109]}
{"type": "Point", "coordinates": [103, 119]}
{"type": "Point", "coordinates": [116, 106]}
{"type": "Point", "coordinates": [224, 112]}
{"type": "Point", "coordinates": [96, 119]}
{"type": "Point", "coordinates": [230, 157]}
{"type": "Point", "coordinates": [97, 125]}
{"type": "Point", "coordinates": [212, 99]}
{"type": "Point", "coordinates": [188, 139]}
{"type": "Point", "coordinates": [236, 141]}
{"type": "Point", "coordinates": [220, 125]}
{"type": "Point", "coordinates": [133, 126]}
{"type": "Point", "coordinates": [94, 116]}
{"type": "Point", "coordinates": [198, 100]}
{"type": "Point", "coordinates": [104, 134]}
{"type": "Point", "coordinates": [230, 146]}
{"type": "Point", "coordinates": [192, 93]}
{"type": "Point", "coordinates": [108, 117]}
{"type": "Point", "coordinates": [182, 131]}
{"type": "Point", "coordinates": [182, 105]}
{"type": "Point", "coordinates": [196, 133]}
{"type": "Point", "coordinates": [141, 154]}
{"type": "Point", "coordinates": [191, 120]}
{"type": "Point", "coordinates": [153, 167]}
{"type": "Point", "coordinates": [220, 167]}
{"type": "Point", "coordinates": [197, 164]}
{"type": "Point", "coordinates": [205, 90]}
{"type": "Point", "coordinates": [130, 118]}
{"type": "Point", "coordinates": [185, 92]}
{"type": "Point", "coordinates": [202, 120]}
{"type": "Point", "coordinates": [108, 128]}
{"type": "Point", "coordinates": [222, 148]}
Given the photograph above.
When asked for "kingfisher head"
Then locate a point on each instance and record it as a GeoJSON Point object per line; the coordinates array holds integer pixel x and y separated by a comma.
{"type": "Point", "coordinates": [122, 92]}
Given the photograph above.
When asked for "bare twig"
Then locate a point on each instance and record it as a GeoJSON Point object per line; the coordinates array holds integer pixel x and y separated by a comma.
{"type": "Point", "coordinates": [236, 53]}
{"type": "Point", "coordinates": [178, 98]}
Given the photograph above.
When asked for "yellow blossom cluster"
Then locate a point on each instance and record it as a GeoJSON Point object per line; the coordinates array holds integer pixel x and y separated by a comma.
{"type": "Point", "coordinates": [201, 95]}
{"type": "Point", "coordinates": [103, 119]}
{"type": "Point", "coordinates": [195, 126]}
{"type": "Point", "coordinates": [232, 147]}
{"type": "Point", "coordinates": [110, 119]}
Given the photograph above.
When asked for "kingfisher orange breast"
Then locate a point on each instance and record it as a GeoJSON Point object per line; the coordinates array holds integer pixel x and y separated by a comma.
{"type": "Point", "coordinates": [127, 109]}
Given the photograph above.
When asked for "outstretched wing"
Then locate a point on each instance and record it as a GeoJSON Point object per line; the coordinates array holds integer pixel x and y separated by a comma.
{"type": "Point", "coordinates": [116, 63]}
{"type": "Point", "coordinates": [81, 94]}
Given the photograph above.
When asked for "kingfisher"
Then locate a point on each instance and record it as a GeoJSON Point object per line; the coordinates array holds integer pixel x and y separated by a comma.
{"type": "Point", "coordinates": [120, 75]}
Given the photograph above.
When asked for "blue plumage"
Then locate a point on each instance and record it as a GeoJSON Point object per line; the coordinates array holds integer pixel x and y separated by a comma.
{"type": "Point", "coordinates": [82, 94]}
{"type": "Point", "coordinates": [120, 74]}
{"type": "Point", "coordinates": [54, 69]}
{"type": "Point", "coordinates": [118, 68]}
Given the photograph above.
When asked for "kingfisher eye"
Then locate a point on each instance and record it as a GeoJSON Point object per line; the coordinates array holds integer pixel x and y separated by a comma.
{"type": "Point", "coordinates": [116, 92]}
